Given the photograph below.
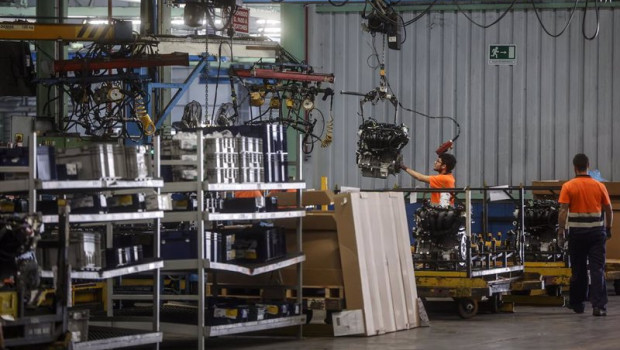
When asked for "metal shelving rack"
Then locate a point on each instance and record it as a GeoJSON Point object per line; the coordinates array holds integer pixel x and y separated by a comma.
{"type": "Point", "coordinates": [202, 265]}
{"type": "Point", "coordinates": [103, 338]}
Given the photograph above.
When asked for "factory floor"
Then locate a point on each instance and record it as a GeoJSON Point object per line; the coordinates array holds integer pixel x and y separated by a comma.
{"type": "Point", "coordinates": [526, 328]}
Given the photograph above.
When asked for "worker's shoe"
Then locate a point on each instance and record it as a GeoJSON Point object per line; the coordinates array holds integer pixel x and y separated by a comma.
{"type": "Point", "coordinates": [599, 312]}
{"type": "Point", "coordinates": [578, 309]}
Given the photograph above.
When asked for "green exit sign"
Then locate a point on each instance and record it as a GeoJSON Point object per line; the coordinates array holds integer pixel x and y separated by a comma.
{"type": "Point", "coordinates": [502, 54]}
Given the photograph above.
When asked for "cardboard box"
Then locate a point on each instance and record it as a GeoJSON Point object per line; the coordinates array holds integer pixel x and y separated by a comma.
{"type": "Point", "coordinates": [554, 188]}
{"type": "Point", "coordinates": [613, 245]}
{"type": "Point", "coordinates": [310, 197]}
{"type": "Point", "coordinates": [348, 322]}
{"type": "Point", "coordinates": [320, 244]}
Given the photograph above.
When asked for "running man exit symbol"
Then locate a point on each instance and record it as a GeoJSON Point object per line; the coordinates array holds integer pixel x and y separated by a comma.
{"type": "Point", "coordinates": [502, 54]}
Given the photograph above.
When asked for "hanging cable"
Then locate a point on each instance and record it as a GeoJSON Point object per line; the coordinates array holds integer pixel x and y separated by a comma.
{"type": "Point", "coordinates": [421, 14]}
{"type": "Point", "coordinates": [583, 21]}
{"type": "Point", "coordinates": [338, 4]}
{"type": "Point", "coordinates": [482, 25]}
{"type": "Point", "coordinates": [570, 18]}
{"type": "Point", "coordinates": [329, 129]}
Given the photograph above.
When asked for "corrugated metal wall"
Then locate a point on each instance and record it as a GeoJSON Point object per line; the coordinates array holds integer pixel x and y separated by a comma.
{"type": "Point", "coordinates": [518, 123]}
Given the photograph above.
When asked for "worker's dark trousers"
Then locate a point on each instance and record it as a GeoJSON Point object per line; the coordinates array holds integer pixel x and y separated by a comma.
{"type": "Point", "coordinates": [588, 250]}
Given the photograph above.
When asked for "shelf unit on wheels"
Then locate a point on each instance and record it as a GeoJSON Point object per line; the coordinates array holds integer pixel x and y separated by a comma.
{"type": "Point", "coordinates": [191, 321]}
{"type": "Point", "coordinates": [99, 337]}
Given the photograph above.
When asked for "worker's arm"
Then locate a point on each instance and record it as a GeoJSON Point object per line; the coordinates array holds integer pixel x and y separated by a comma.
{"type": "Point", "coordinates": [562, 215]}
{"type": "Point", "coordinates": [609, 218]}
{"type": "Point", "coordinates": [416, 175]}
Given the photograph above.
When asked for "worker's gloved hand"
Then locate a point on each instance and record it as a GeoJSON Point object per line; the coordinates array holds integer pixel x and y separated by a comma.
{"type": "Point", "coordinates": [608, 232]}
{"type": "Point", "coordinates": [561, 239]}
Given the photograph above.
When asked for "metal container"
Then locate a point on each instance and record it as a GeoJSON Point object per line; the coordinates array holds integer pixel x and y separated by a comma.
{"type": "Point", "coordinates": [102, 160]}
{"type": "Point", "coordinates": [95, 161]}
{"type": "Point", "coordinates": [79, 161]}
{"type": "Point", "coordinates": [84, 251]}
{"type": "Point", "coordinates": [137, 162]}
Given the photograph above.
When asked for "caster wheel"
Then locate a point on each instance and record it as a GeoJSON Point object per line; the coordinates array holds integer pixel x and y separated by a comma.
{"type": "Point", "coordinates": [467, 307]}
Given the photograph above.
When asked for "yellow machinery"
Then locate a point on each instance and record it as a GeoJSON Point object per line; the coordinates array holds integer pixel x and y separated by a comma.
{"type": "Point", "coordinates": [480, 269]}
{"type": "Point", "coordinates": [612, 273]}
{"type": "Point", "coordinates": [468, 292]}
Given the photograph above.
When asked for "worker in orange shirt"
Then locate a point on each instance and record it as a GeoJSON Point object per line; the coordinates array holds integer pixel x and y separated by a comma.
{"type": "Point", "coordinates": [443, 165]}
{"type": "Point", "coordinates": [583, 201]}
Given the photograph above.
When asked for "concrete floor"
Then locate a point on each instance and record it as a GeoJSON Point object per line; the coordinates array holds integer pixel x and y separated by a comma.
{"type": "Point", "coordinates": [527, 328]}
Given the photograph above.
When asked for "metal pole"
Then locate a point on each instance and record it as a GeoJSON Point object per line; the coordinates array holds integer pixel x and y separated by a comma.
{"type": "Point", "coordinates": [468, 228]}
{"type": "Point", "coordinates": [63, 286]}
{"type": "Point", "coordinates": [299, 231]}
{"type": "Point", "coordinates": [156, 243]}
{"type": "Point", "coordinates": [201, 241]}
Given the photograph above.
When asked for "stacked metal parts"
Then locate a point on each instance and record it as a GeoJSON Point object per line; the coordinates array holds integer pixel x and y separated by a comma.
{"type": "Point", "coordinates": [236, 154]}
{"type": "Point", "coordinates": [541, 219]}
{"type": "Point", "coordinates": [255, 244]}
{"type": "Point", "coordinates": [103, 161]}
{"type": "Point", "coordinates": [378, 148]}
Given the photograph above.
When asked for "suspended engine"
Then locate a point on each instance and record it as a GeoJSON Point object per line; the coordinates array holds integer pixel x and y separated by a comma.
{"type": "Point", "coordinates": [379, 146]}
{"type": "Point", "coordinates": [541, 219]}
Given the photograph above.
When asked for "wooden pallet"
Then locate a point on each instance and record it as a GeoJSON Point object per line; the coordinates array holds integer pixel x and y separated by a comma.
{"type": "Point", "coordinates": [332, 292]}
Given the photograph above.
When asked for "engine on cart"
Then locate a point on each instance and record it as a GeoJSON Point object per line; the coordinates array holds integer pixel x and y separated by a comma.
{"type": "Point", "coordinates": [379, 146]}
{"type": "Point", "coordinates": [18, 241]}
{"type": "Point", "coordinates": [440, 237]}
{"type": "Point", "coordinates": [540, 231]}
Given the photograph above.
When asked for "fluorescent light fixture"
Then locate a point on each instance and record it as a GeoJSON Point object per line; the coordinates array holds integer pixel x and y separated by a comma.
{"type": "Point", "coordinates": [267, 21]}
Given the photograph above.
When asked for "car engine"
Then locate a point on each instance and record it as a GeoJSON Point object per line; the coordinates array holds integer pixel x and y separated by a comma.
{"type": "Point", "coordinates": [541, 222]}
{"type": "Point", "coordinates": [379, 146]}
{"type": "Point", "coordinates": [440, 237]}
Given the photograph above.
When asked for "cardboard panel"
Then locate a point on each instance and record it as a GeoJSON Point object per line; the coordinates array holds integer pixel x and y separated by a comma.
{"type": "Point", "coordinates": [354, 285]}
{"type": "Point", "coordinates": [368, 230]}
{"type": "Point", "coordinates": [374, 250]}
{"type": "Point", "coordinates": [405, 260]}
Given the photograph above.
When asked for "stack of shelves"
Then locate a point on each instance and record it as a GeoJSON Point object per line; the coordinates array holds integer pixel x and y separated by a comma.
{"type": "Point", "coordinates": [191, 321]}
{"type": "Point", "coordinates": [101, 338]}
